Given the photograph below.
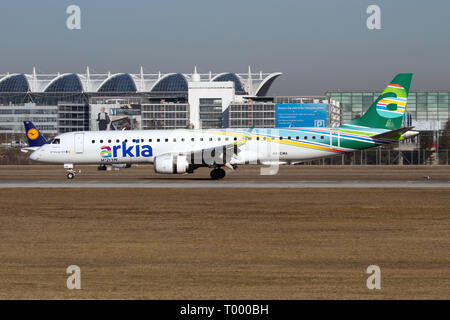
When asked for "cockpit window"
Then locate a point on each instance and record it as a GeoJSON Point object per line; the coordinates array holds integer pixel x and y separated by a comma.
{"type": "Point", "coordinates": [55, 141]}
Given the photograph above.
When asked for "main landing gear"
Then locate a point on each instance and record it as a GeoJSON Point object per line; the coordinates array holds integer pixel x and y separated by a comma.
{"type": "Point", "coordinates": [217, 174]}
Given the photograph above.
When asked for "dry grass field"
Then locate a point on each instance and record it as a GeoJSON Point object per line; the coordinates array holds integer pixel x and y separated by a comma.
{"type": "Point", "coordinates": [224, 243]}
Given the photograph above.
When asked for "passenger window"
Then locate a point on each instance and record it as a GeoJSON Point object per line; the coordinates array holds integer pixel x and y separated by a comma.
{"type": "Point", "coordinates": [305, 138]}
{"type": "Point", "coordinates": [134, 140]}
{"type": "Point", "coordinates": [149, 140]}
{"type": "Point", "coordinates": [93, 141]}
{"type": "Point", "coordinates": [192, 139]}
{"type": "Point", "coordinates": [109, 141]}
{"type": "Point", "coordinates": [158, 140]}
{"type": "Point", "coordinates": [182, 139]}
{"type": "Point", "coordinates": [101, 141]}
{"type": "Point", "coordinates": [174, 140]}
{"type": "Point", "coordinates": [210, 139]}
{"type": "Point", "coordinates": [321, 137]}
{"type": "Point", "coordinates": [117, 140]}
{"type": "Point", "coordinates": [201, 139]}
{"type": "Point", "coordinates": [314, 137]}
{"type": "Point", "coordinates": [289, 138]}
{"type": "Point", "coordinates": [218, 139]}
{"type": "Point", "coordinates": [281, 138]}
{"type": "Point", "coordinates": [166, 140]}
{"type": "Point", "coordinates": [298, 138]}
{"type": "Point", "coordinates": [257, 138]}
{"type": "Point", "coordinates": [235, 139]}
{"type": "Point", "coordinates": [226, 139]}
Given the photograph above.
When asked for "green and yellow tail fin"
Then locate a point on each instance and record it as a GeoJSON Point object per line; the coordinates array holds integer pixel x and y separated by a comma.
{"type": "Point", "coordinates": [388, 109]}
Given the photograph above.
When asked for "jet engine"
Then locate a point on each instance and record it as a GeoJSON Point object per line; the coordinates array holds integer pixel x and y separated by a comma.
{"type": "Point", "coordinates": [172, 164]}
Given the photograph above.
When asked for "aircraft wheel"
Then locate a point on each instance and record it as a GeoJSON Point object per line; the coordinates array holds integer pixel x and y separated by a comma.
{"type": "Point", "coordinates": [214, 174]}
{"type": "Point", "coordinates": [70, 175]}
{"type": "Point", "coordinates": [221, 173]}
{"type": "Point", "coordinates": [217, 174]}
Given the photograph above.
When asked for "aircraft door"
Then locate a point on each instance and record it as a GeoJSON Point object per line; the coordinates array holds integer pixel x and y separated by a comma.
{"type": "Point", "coordinates": [335, 138]}
{"type": "Point", "coordinates": [79, 142]}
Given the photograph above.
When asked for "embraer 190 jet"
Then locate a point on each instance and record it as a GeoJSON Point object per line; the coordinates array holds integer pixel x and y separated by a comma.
{"type": "Point", "coordinates": [184, 150]}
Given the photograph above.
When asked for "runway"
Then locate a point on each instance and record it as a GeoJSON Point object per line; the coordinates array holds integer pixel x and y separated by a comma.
{"type": "Point", "coordinates": [205, 184]}
{"type": "Point", "coordinates": [301, 177]}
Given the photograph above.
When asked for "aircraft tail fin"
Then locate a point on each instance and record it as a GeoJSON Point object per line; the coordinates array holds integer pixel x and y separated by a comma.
{"type": "Point", "coordinates": [34, 136]}
{"type": "Point", "coordinates": [388, 109]}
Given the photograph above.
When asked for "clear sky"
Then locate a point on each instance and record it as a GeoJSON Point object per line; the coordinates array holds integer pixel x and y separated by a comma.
{"type": "Point", "coordinates": [317, 44]}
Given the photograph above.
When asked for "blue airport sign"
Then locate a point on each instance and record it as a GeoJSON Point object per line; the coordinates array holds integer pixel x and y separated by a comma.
{"type": "Point", "coordinates": [300, 115]}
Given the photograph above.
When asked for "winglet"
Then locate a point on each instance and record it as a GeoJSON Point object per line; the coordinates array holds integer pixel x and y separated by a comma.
{"type": "Point", "coordinates": [243, 141]}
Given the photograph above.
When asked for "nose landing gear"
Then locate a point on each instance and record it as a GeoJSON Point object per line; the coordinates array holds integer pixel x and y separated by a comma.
{"type": "Point", "coordinates": [70, 170]}
{"type": "Point", "coordinates": [217, 174]}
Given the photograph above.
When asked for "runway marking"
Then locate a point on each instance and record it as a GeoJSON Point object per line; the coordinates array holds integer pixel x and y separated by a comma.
{"type": "Point", "coordinates": [303, 184]}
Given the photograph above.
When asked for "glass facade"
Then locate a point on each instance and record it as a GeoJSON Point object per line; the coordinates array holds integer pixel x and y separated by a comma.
{"type": "Point", "coordinates": [118, 83]}
{"type": "Point", "coordinates": [73, 117]}
{"type": "Point", "coordinates": [211, 113]}
{"type": "Point", "coordinates": [44, 117]}
{"type": "Point", "coordinates": [174, 82]}
{"type": "Point", "coordinates": [67, 83]}
{"type": "Point", "coordinates": [14, 83]}
{"type": "Point", "coordinates": [232, 77]}
{"type": "Point", "coordinates": [72, 111]}
{"type": "Point", "coordinates": [421, 105]}
{"type": "Point", "coordinates": [40, 108]}
{"type": "Point", "coordinates": [165, 116]}
{"type": "Point", "coordinates": [259, 115]}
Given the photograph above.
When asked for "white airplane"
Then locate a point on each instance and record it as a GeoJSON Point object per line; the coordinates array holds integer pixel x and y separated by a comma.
{"type": "Point", "coordinates": [183, 151]}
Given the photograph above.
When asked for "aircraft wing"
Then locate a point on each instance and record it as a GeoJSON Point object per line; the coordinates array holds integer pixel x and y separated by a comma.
{"type": "Point", "coordinates": [221, 154]}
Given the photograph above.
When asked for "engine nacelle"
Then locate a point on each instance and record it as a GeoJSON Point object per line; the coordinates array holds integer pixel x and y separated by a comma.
{"type": "Point", "coordinates": [171, 164]}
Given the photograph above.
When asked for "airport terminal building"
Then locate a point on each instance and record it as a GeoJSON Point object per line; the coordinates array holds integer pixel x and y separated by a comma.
{"type": "Point", "coordinates": [66, 102]}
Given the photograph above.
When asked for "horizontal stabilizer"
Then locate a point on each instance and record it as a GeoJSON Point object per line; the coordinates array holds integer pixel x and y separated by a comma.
{"type": "Point", "coordinates": [392, 135]}
{"type": "Point", "coordinates": [29, 149]}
